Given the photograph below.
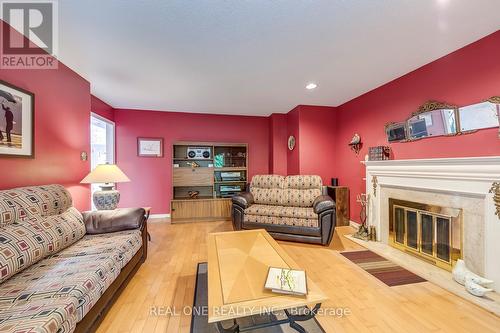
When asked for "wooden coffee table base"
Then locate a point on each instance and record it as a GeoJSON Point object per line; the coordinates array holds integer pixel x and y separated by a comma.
{"type": "Point", "coordinates": [291, 319]}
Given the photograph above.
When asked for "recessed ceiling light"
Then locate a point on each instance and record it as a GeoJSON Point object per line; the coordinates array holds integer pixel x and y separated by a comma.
{"type": "Point", "coordinates": [443, 3]}
{"type": "Point", "coordinates": [311, 86]}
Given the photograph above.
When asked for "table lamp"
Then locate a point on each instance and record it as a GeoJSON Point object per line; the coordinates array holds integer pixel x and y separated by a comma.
{"type": "Point", "coordinates": [107, 198]}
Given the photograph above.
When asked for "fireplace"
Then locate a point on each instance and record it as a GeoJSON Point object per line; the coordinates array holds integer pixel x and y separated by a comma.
{"type": "Point", "coordinates": [430, 232]}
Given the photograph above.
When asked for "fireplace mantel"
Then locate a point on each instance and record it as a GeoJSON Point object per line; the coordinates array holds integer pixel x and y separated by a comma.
{"type": "Point", "coordinates": [467, 168]}
{"type": "Point", "coordinates": [460, 181]}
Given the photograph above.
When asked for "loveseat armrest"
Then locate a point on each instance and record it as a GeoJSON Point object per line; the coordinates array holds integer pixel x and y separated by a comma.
{"type": "Point", "coordinates": [104, 221]}
{"type": "Point", "coordinates": [243, 199]}
{"type": "Point", "coordinates": [323, 203]}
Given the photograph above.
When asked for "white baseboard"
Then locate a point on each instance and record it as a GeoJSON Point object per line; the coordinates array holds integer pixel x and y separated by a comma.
{"type": "Point", "coordinates": [354, 224]}
{"type": "Point", "coordinates": [159, 216]}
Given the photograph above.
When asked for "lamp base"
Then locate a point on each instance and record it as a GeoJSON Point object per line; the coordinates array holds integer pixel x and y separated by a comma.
{"type": "Point", "coordinates": [106, 200]}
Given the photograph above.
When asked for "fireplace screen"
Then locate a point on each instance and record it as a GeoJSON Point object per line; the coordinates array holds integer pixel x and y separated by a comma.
{"type": "Point", "coordinates": [430, 232]}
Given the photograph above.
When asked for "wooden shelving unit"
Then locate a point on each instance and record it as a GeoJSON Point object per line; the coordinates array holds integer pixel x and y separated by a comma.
{"type": "Point", "coordinates": [216, 177]}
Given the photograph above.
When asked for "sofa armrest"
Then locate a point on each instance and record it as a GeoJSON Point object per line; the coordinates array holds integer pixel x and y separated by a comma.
{"type": "Point", "coordinates": [323, 203]}
{"type": "Point", "coordinates": [243, 199]}
{"type": "Point", "coordinates": [104, 221]}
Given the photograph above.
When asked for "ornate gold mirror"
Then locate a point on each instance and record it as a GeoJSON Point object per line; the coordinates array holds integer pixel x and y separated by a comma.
{"type": "Point", "coordinates": [433, 119]}
{"type": "Point", "coordinates": [439, 119]}
{"type": "Point", "coordinates": [396, 132]}
{"type": "Point", "coordinates": [481, 115]}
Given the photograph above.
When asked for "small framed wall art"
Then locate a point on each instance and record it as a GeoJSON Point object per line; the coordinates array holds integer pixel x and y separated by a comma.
{"type": "Point", "coordinates": [17, 108]}
{"type": "Point", "coordinates": [149, 147]}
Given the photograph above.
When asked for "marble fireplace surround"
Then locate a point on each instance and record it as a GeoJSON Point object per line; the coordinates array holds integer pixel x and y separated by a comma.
{"type": "Point", "coordinates": [451, 182]}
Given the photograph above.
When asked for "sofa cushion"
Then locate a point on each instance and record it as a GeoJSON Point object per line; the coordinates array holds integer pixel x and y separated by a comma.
{"type": "Point", "coordinates": [121, 246]}
{"type": "Point", "coordinates": [85, 278]}
{"type": "Point", "coordinates": [23, 243]}
{"type": "Point", "coordinates": [83, 271]}
{"type": "Point", "coordinates": [41, 316]}
{"type": "Point", "coordinates": [36, 201]}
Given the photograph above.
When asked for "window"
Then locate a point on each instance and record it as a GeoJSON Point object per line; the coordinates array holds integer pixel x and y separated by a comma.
{"type": "Point", "coordinates": [102, 143]}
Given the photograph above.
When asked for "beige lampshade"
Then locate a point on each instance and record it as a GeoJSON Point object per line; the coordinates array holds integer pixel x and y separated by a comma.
{"type": "Point", "coordinates": [105, 173]}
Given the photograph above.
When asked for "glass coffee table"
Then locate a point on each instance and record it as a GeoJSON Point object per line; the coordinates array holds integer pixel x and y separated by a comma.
{"type": "Point", "coordinates": [238, 264]}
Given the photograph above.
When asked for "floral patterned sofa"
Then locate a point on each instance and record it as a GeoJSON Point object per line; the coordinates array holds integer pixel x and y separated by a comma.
{"type": "Point", "coordinates": [289, 208]}
{"type": "Point", "coordinates": [54, 276]}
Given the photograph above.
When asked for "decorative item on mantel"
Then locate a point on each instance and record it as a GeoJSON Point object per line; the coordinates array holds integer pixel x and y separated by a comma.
{"type": "Point", "coordinates": [355, 143]}
{"type": "Point", "coordinates": [379, 153]}
{"type": "Point", "coordinates": [495, 189]}
{"type": "Point", "coordinates": [474, 284]}
{"type": "Point", "coordinates": [106, 174]}
{"type": "Point", "coordinates": [363, 233]}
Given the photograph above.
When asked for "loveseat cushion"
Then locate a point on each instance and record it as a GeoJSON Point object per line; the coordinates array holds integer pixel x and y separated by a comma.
{"type": "Point", "coordinates": [276, 220]}
{"type": "Point", "coordinates": [267, 189]}
{"type": "Point", "coordinates": [282, 215]}
{"type": "Point", "coordinates": [267, 181]}
{"type": "Point", "coordinates": [40, 316]}
{"type": "Point", "coordinates": [302, 190]}
{"type": "Point", "coordinates": [281, 211]}
{"type": "Point", "coordinates": [23, 243]}
{"type": "Point", "coordinates": [83, 271]}
{"type": "Point", "coordinates": [264, 210]}
{"type": "Point", "coordinates": [303, 182]}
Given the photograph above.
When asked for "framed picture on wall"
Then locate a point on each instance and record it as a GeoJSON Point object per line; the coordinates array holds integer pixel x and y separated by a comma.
{"type": "Point", "coordinates": [17, 117]}
{"type": "Point", "coordinates": [150, 147]}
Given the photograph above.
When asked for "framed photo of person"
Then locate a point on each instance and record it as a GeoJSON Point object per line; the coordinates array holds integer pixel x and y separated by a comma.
{"type": "Point", "coordinates": [17, 119]}
{"type": "Point", "coordinates": [150, 147]}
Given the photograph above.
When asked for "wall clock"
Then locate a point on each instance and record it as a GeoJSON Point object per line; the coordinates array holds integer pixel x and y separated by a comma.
{"type": "Point", "coordinates": [291, 142]}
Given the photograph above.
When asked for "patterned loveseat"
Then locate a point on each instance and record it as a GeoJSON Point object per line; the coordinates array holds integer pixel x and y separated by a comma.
{"type": "Point", "coordinates": [54, 275]}
{"type": "Point", "coordinates": [289, 208]}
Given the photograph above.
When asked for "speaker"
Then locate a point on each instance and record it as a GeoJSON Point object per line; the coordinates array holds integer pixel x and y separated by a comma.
{"type": "Point", "coordinates": [335, 182]}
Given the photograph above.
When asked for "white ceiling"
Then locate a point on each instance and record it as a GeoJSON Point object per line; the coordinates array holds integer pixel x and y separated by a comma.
{"type": "Point", "coordinates": [254, 57]}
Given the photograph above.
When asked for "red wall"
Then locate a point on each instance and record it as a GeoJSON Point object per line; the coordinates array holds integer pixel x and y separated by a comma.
{"type": "Point", "coordinates": [151, 178]}
{"type": "Point", "coordinates": [102, 108]}
{"type": "Point", "coordinates": [62, 131]}
{"type": "Point", "coordinates": [317, 141]}
{"type": "Point", "coordinates": [464, 77]}
{"type": "Point", "coordinates": [278, 144]}
{"type": "Point", "coordinates": [293, 156]}
{"type": "Point", "coordinates": [313, 128]}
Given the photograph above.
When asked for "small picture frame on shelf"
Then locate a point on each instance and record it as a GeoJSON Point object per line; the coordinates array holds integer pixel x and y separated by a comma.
{"type": "Point", "coordinates": [149, 147]}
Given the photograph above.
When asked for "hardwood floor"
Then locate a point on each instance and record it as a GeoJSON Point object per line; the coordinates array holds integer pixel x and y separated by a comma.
{"type": "Point", "coordinates": [168, 277]}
